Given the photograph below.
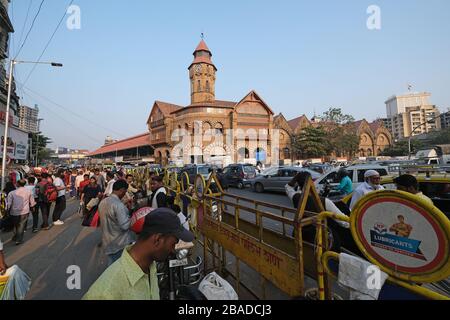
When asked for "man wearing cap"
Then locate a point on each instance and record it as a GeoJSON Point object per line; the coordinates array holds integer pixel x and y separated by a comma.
{"type": "Point", "coordinates": [115, 222]}
{"type": "Point", "coordinates": [409, 183]}
{"type": "Point", "coordinates": [372, 183]}
{"type": "Point", "coordinates": [133, 276]}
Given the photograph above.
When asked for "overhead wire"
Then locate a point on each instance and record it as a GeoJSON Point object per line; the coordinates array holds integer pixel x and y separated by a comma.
{"type": "Point", "coordinates": [25, 21]}
{"type": "Point", "coordinates": [48, 44]}
{"type": "Point", "coordinates": [31, 28]}
{"type": "Point", "coordinates": [94, 123]}
{"type": "Point", "coordinates": [79, 130]}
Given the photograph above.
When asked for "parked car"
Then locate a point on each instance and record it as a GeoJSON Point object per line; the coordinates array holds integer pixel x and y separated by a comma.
{"type": "Point", "coordinates": [356, 173]}
{"type": "Point", "coordinates": [275, 179]}
{"type": "Point", "coordinates": [194, 170]}
{"type": "Point", "coordinates": [239, 175]}
{"type": "Point", "coordinates": [321, 168]}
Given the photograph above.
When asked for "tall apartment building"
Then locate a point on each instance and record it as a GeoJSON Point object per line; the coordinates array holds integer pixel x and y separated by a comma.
{"type": "Point", "coordinates": [445, 120]}
{"type": "Point", "coordinates": [412, 114]}
{"type": "Point", "coordinates": [29, 119]}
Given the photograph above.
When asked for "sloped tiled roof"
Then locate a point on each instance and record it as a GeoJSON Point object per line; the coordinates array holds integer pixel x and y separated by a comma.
{"type": "Point", "coordinates": [167, 108]}
{"type": "Point", "coordinates": [129, 143]}
{"type": "Point", "coordinates": [202, 47]}
{"type": "Point", "coordinates": [295, 122]}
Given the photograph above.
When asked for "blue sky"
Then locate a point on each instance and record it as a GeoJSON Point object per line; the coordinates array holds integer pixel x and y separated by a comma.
{"type": "Point", "coordinates": [300, 56]}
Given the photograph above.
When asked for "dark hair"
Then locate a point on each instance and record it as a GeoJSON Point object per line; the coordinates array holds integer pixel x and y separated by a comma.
{"type": "Point", "coordinates": [9, 186]}
{"type": "Point", "coordinates": [119, 185]}
{"type": "Point", "coordinates": [22, 182]}
{"type": "Point", "coordinates": [120, 173]}
{"type": "Point", "coordinates": [300, 179]}
{"type": "Point", "coordinates": [93, 178]}
{"type": "Point", "coordinates": [86, 175]}
{"type": "Point", "coordinates": [44, 175]}
{"type": "Point", "coordinates": [407, 181]}
{"type": "Point", "coordinates": [31, 180]}
{"type": "Point", "coordinates": [110, 175]}
{"type": "Point", "coordinates": [157, 179]}
{"type": "Point", "coordinates": [129, 175]}
{"type": "Point", "coordinates": [296, 200]}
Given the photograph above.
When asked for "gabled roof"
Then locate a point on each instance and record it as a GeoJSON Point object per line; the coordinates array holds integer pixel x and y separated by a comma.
{"type": "Point", "coordinates": [295, 122]}
{"type": "Point", "coordinates": [374, 126]}
{"type": "Point", "coordinates": [129, 143]}
{"type": "Point", "coordinates": [167, 108]}
{"type": "Point", "coordinates": [254, 96]}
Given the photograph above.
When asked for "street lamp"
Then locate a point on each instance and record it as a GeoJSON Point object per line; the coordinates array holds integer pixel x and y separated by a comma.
{"type": "Point", "coordinates": [429, 121]}
{"type": "Point", "coordinates": [5, 141]}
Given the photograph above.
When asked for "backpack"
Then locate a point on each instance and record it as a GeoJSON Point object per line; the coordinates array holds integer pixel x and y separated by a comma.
{"type": "Point", "coordinates": [50, 193]}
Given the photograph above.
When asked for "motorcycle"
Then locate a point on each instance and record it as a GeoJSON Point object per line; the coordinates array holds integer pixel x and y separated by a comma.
{"type": "Point", "coordinates": [179, 277]}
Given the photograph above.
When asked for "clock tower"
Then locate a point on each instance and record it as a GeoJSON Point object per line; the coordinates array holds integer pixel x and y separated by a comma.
{"type": "Point", "coordinates": [202, 73]}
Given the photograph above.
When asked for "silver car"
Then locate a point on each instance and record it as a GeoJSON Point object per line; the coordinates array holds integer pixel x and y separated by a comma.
{"type": "Point", "coordinates": [275, 179]}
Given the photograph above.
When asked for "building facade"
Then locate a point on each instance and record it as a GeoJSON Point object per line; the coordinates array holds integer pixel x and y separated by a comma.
{"type": "Point", "coordinates": [374, 137]}
{"type": "Point", "coordinates": [29, 119]}
{"type": "Point", "coordinates": [445, 120]}
{"type": "Point", "coordinates": [6, 28]}
{"type": "Point", "coordinates": [210, 130]}
{"type": "Point", "coordinates": [412, 114]}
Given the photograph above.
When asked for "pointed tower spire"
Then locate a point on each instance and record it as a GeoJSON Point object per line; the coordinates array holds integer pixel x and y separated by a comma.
{"type": "Point", "coordinates": [202, 73]}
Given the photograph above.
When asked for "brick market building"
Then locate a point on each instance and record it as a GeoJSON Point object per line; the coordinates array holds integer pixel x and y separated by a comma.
{"type": "Point", "coordinates": [214, 131]}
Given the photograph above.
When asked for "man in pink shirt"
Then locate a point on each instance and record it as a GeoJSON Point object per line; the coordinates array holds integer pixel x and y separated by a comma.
{"type": "Point", "coordinates": [19, 203]}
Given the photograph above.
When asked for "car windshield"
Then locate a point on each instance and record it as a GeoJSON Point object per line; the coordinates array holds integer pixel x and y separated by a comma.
{"type": "Point", "coordinates": [249, 169]}
{"type": "Point", "coordinates": [203, 170]}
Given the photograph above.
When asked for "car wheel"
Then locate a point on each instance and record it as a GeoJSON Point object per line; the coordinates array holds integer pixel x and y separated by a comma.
{"type": "Point", "coordinates": [240, 185]}
{"type": "Point", "coordinates": [259, 188]}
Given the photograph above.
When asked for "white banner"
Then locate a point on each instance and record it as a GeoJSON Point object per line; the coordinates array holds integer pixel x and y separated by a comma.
{"type": "Point", "coordinates": [17, 143]}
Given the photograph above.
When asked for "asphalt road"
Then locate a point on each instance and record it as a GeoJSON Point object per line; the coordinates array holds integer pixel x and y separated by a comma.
{"type": "Point", "coordinates": [47, 255]}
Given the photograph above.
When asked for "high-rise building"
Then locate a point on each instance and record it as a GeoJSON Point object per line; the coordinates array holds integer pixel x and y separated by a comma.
{"type": "Point", "coordinates": [445, 120]}
{"type": "Point", "coordinates": [29, 119]}
{"type": "Point", "coordinates": [412, 114]}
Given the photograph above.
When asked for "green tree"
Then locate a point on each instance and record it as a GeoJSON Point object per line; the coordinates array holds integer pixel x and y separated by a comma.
{"type": "Point", "coordinates": [344, 141]}
{"type": "Point", "coordinates": [441, 137]}
{"type": "Point", "coordinates": [311, 143]}
{"type": "Point", "coordinates": [401, 148]}
{"type": "Point", "coordinates": [336, 115]}
{"type": "Point", "coordinates": [39, 142]}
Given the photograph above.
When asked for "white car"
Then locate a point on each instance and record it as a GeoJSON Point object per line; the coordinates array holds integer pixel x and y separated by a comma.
{"type": "Point", "coordinates": [355, 172]}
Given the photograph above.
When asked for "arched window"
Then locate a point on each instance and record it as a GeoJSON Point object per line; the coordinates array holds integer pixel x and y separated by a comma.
{"type": "Point", "coordinates": [286, 153]}
{"type": "Point", "coordinates": [219, 128]}
{"type": "Point", "coordinates": [199, 86]}
{"type": "Point", "coordinates": [207, 86]}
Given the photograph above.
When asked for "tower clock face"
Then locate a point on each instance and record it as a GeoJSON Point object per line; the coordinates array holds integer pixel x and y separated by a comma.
{"type": "Point", "coordinates": [198, 68]}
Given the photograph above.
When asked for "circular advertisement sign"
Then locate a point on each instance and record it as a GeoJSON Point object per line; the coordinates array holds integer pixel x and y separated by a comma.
{"type": "Point", "coordinates": [199, 186]}
{"type": "Point", "coordinates": [403, 234]}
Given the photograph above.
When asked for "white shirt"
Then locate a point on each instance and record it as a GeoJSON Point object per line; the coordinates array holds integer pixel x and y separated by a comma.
{"type": "Point", "coordinates": [361, 191]}
{"type": "Point", "coordinates": [59, 183]}
{"type": "Point", "coordinates": [78, 180]}
{"type": "Point", "coordinates": [109, 187]}
{"type": "Point", "coordinates": [154, 201]}
{"type": "Point", "coordinates": [329, 205]}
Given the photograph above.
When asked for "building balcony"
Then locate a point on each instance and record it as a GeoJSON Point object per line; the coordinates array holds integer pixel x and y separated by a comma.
{"type": "Point", "coordinates": [156, 124]}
